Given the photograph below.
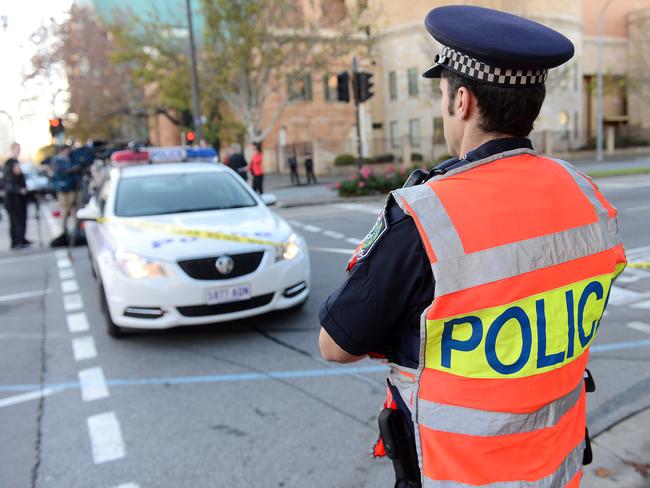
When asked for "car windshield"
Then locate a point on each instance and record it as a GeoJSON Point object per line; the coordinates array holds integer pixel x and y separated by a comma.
{"type": "Point", "coordinates": [174, 193]}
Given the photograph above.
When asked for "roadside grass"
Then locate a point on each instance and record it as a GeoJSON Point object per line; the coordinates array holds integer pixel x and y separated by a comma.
{"type": "Point", "coordinates": [619, 172]}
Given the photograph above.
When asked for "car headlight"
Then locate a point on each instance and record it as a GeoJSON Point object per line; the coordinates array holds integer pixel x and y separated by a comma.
{"type": "Point", "coordinates": [137, 267]}
{"type": "Point", "coordinates": [289, 249]}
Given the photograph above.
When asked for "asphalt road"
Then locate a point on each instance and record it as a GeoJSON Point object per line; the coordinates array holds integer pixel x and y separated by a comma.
{"type": "Point", "coordinates": [241, 404]}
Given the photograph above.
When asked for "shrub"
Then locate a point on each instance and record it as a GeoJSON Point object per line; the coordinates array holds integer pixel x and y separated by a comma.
{"type": "Point", "coordinates": [383, 158]}
{"type": "Point", "coordinates": [345, 160]}
{"type": "Point", "coordinates": [417, 157]}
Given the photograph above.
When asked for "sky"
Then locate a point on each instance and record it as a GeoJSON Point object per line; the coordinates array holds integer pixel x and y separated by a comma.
{"type": "Point", "coordinates": [29, 105]}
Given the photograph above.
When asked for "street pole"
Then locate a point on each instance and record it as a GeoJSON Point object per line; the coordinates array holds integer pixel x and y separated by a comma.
{"type": "Point", "coordinates": [196, 105]}
{"type": "Point", "coordinates": [357, 108]}
{"type": "Point", "coordinates": [599, 83]}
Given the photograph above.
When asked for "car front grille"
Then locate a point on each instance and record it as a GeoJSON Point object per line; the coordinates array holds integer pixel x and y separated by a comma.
{"type": "Point", "coordinates": [223, 308]}
{"type": "Point", "coordinates": [205, 268]}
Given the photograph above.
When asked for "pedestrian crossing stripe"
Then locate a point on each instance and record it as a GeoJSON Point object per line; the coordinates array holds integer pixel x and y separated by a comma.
{"type": "Point", "coordinates": [198, 233]}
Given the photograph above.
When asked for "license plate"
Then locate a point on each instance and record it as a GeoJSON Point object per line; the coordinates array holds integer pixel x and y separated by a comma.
{"type": "Point", "coordinates": [228, 294]}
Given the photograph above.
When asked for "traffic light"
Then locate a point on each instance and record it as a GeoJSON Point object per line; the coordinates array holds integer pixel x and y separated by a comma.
{"type": "Point", "coordinates": [56, 126]}
{"type": "Point", "coordinates": [343, 87]}
{"type": "Point", "coordinates": [363, 86]}
{"type": "Point", "coordinates": [190, 137]}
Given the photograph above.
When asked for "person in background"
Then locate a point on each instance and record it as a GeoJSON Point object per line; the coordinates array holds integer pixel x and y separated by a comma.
{"type": "Point", "coordinates": [309, 168]}
{"type": "Point", "coordinates": [256, 169]}
{"type": "Point", "coordinates": [16, 199]}
{"type": "Point", "coordinates": [66, 182]}
{"type": "Point", "coordinates": [293, 166]}
{"type": "Point", "coordinates": [237, 162]}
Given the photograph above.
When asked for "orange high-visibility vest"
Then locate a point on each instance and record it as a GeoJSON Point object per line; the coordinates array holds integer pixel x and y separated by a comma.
{"type": "Point", "coordinates": [524, 250]}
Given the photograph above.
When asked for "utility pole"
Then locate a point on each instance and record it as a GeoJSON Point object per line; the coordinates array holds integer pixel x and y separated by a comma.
{"type": "Point", "coordinates": [196, 104]}
{"type": "Point", "coordinates": [357, 108]}
{"type": "Point", "coordinates": [599, 83]}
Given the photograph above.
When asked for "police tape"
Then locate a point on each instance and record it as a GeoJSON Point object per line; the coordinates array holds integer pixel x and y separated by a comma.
{"type": "Point", "coordinates": [184, 231]}
{"type": "Point", "coordinates": [639, 265]}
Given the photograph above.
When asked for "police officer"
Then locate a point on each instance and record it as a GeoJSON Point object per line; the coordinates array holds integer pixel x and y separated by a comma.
{"type": "Point", "coordinates": [483, 282]}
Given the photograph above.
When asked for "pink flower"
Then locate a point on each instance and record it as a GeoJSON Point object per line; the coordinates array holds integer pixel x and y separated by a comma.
{"type": "Point", "coordinates": [365, 172]}
{"type": "Point", "coordinates": [337, 185]}
{"type": "Point", "coordinates": [361, 184]}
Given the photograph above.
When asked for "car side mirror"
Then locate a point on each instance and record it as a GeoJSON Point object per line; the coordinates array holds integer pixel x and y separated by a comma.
{"type": "Point", "coordinates": [269, 199]}
{"type": "Point", "coordinates": [89, 212]}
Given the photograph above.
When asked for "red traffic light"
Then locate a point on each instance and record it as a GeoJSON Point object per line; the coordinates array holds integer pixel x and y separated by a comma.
{"type": "Point", "coordinates": [55, 122]}
{"type": "Point", "coordinates": [190, 136]}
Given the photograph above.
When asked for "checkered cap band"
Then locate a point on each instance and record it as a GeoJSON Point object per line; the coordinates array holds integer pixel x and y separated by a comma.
{"type": "Point", "coordinates": [473, 68]}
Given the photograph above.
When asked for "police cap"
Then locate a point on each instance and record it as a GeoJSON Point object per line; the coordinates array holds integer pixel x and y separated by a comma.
{"type": "Point", "coordinates": [494, 47]}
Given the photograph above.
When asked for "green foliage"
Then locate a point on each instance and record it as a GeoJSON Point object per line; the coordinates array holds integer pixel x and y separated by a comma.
{"type": "Point", "coordinates": [417, 157]}
{"type": "Point", "coordinates": [345, 160]}
{"type": "Point", "coordinates": [370, 182]}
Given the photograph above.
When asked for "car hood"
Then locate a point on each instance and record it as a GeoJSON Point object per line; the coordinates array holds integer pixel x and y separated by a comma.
{"type": "Point", "coordinates": [169, 237]}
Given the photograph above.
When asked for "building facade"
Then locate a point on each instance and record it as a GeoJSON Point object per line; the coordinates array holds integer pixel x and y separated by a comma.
{"type": "Point", "coordinates": [404, 116]}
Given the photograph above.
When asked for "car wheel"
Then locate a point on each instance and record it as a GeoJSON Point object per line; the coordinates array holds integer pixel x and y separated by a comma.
{"type": "Point", "coordinates": [112, 328]}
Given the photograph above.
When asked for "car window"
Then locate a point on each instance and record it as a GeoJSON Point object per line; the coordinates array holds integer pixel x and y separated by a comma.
{"type": "Point", "coordinates": [175, 193]}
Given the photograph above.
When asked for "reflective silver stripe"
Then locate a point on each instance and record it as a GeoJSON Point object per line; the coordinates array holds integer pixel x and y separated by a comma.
{"type": "Point", "coordinates": [585, 186]}
{"type": "Point", "coordinates": [569, 468]}
{"type": "Point", "coordinates": [468, 421]}
{"type": "Point", "coordinates": [481, 162]}
{"type": "Point", "coordinates": [434, 219]}
{"type": "Point", "coordinates": [498, 263]}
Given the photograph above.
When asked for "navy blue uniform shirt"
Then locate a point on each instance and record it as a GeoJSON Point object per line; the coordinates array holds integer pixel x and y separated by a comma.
{"type": "Point", "coordinates": [378, 307]}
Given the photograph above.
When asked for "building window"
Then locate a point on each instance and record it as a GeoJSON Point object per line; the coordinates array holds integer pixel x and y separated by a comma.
{"type": "Point", "coordinates": [329, 87]}
{"type": "Point", "coordinates": [394, 136]}
{"type": "Point", "coordinates": [299, 87]}
{"type": "Point", "coordinates": [414, 132]}
{"type": "Point", "coordinates": [392, 85]}
{"type": "Point", "coordinates": [438, 131]}
{"type": "Point", "coordinates": [413, 82]}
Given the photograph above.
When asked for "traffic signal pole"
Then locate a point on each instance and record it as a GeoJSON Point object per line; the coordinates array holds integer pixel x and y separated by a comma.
{"type": "Point", "coordinates": [196, 105]}
{"type": "Point", "coordinates": [357, 107]}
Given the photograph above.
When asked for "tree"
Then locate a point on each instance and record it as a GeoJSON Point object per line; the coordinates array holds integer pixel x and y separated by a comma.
{"type": "Point", "coordinates": [99, 91]}
{"type": "Point", "coordinates": [251, 49]}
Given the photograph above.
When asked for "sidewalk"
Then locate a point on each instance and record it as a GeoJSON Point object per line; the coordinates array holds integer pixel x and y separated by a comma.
{"type": "Point", "coordinates": [621, 455]}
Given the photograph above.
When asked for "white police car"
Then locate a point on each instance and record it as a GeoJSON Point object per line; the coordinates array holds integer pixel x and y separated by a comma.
{"type": "Point", "coordinates": [189, 243]}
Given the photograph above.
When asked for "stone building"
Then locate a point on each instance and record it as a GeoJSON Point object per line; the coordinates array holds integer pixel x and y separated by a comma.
{"type": "Point", "coordinates": [404, 116]}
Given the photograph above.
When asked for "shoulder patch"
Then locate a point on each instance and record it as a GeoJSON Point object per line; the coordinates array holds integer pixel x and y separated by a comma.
{"type": "Point", "coordinates": [370, 241]}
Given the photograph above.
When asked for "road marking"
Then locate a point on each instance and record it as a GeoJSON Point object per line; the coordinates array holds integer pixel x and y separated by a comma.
{"type": "Point", "coordinates": [93, 384]}
{"type": "Point", "coordinates": [105, 437]}
{"type": "Point", "coordinates": [22, 296]}
{"type": "Point", "coordinates": [640, 326]}
{"type": "Point", "coordinates": [64, 263]}
{"type": "Point", "coordinates": [77, 322]}
{"type": "Point", "coordinates": [333, 235]}
{"type": "Point", "coordinates": [84, 348]}
{"type": "Point", "coordinates": [72, 302]}
{"type": "Point", "coordinates": [295, 223]}
{"type": "Point", "coordinates": [66, 273]}
{"type": "Point", "coordinates": [312, 228]}
{"type": "Point", "coordinates": [622, 296]}
{"type": "Point", "coordinates": [128, 485]}
{"type": "Point", "coordinates": [358, 207]}
{"type": "Point", "coordinates": [69, 286]}
{"type": "Point", "coordinates": [354, 241]}
{"type": "Point", "coordinates": [333, 250]}
{"type": "Point", "coordinates": [270, 375]}
{"type": "Point", "coordinates": [645, 305]}
{"type": "Point", "coordinates": [61, 253]}
{"type": "Point", "coordinates": [631, 275]}
{"type": "Point", "coordinates": [26, 397]}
